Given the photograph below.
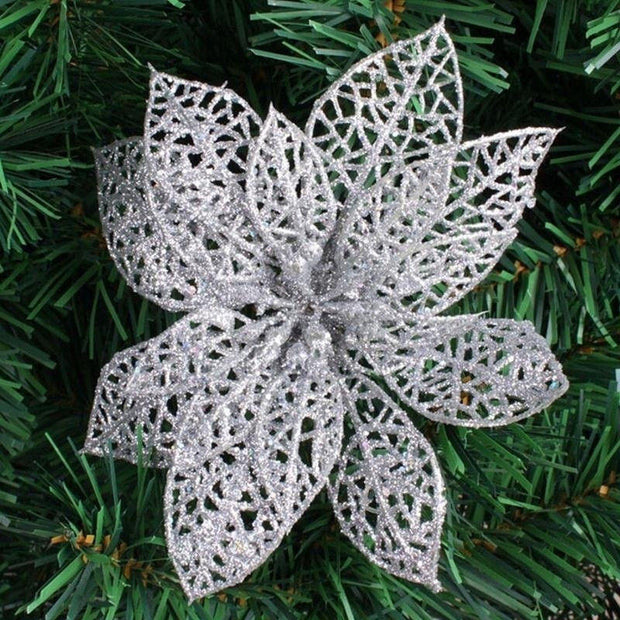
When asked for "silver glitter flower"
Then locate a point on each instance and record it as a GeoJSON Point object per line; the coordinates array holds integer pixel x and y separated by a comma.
{"type": "Point", "coordinates": [313, 267]}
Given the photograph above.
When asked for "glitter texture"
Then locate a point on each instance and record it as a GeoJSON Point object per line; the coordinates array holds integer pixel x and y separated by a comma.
{"type": "Point", "coordinates": [313, 267]}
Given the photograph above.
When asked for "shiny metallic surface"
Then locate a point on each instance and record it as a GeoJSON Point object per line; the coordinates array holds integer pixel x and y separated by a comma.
{"type": "Point", "coordinates": [313, 267]}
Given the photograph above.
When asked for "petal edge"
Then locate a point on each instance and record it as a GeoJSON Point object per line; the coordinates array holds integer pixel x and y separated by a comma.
{"type": "Point", "coordinates": [243, 476]}
{"type": "Point", "coordinates": [388, 492]}
{"type": "Point", "coordinates": [465, 370]}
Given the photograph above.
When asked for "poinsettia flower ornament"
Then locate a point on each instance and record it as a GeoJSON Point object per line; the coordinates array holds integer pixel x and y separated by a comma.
{"type": "Point", "coordinates": [313, 267]}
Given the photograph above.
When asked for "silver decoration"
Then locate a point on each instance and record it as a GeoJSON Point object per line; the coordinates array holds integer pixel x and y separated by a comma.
{"type": "Point", "coordinates": [463, 370]}
{"type": "Point", "coordinates": [313, 267]}
{"type": "Point", "coordinates": [388, 490]}
{"type": "Point", "coordinates": [244, 472]}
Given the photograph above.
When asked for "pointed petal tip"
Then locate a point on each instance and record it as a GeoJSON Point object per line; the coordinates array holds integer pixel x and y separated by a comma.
{"type": "Point", "coordinates": [192, 596]}
{"type": "Point", "coordinates": [440, 27]}
{"type": "Point", "coordinates": [429, 575]}
{"type": "Point", "coordinates": [553, 132]}
{"type": "Point", "coordinates": [101, 155]}
{"type": "Point", "coordinates": [195, 595]}
{"type": "Point", "coordinates": [272, 114]}
{"type": "Point", "coordinates": [90, 448]}
{"type": "Point", "coordinates": [97, 155]}
{"type": "Point", "coordinates": [98, 151]}
{"type": "Point", "coordinates": [276, 121]}
{"type": "Point", "coordinates": [435, 585]}
{"type": "Point", "coordinates": [154, 75]}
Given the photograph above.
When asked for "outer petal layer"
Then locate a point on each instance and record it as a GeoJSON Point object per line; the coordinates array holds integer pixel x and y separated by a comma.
{"type": "Point", "coordinates": [135, 240]}
{"type": "Point", "coordinates": [389, 110]}
{"type": "Point", "coordinates": [388, 490]}
{"type": "Point", "coordinates": [435, 231]}
{"type": "Point", "coordinates": [492, 183]}
{"type": "Point", "coordinates": [242, 477]}
{"type": "Point", "coordinates": [145, 392]}
{"type": "Point", "coordinates": [464, 370]}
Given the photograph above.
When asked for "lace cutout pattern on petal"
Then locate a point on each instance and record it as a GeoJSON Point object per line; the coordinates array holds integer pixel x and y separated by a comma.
{"type": "Point", "coordinates": [242, 476]}
{"type": "Point", "coordinates": [388, 490]}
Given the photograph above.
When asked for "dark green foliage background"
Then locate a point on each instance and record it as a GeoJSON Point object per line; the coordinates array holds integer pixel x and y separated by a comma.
{"type": "Point", "coordinates": [534, 509]}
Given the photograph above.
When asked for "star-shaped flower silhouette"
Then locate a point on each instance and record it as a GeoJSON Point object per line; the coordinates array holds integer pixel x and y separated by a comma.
{"type": "Point", "coordinates": [313, 267]}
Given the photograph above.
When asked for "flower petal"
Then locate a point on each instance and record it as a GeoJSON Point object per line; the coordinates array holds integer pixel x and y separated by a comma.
{"type": "Point", "coordinates": [242, 476]}
{"type": "Point", "coordinates": [464, 370]}
{"type": "Point", "coordinates": [432, 236]}
{"type": "Point", "coordinates": [289, 198]}
{"type": "Point", "coordinates": [492, 182]}
{"type": "Point", "coordinates": [389, 111]}
{"type": "Point", "coordinates": [197, 139]}
{"type": "Point", "coordinates": [388, 490]}
{"type": "Point", "coordinates": [151, 266]}
{"type": "Point", "coordinates": [381, 235]}
{"type": "Point", "coordinates": [145, 391]}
